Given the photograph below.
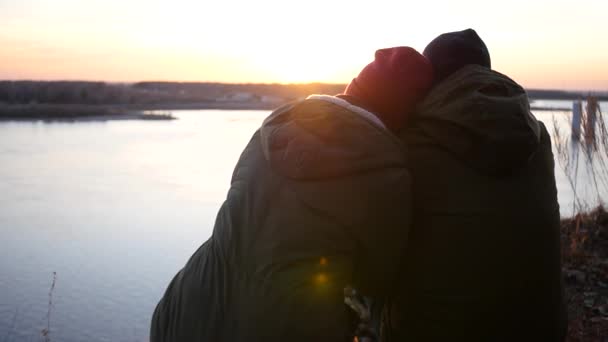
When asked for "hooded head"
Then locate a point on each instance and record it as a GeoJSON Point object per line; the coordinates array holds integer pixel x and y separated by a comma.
{"type": "Point", "coordinates": [392, 85]}
{"type": "Point", "coordinates": [451, 51]}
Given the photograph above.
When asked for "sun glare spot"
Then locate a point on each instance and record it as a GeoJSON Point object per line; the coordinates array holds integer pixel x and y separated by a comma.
{"type": "Point", "coordinates": [321, 279]}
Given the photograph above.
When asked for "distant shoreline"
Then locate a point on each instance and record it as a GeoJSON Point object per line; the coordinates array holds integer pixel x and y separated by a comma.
{"type": "Point", "coordinates": [550, 109]}
{"type": "Point", "coordinates": [73, 112]}
{"type": "Point", "coordinates": [80, 100]}
{"type": "Point", "coordinates": [78, 112]}
{"type": "Point", "coordinates": [107, 112]}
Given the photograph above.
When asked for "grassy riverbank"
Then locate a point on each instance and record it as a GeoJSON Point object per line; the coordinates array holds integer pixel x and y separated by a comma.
{"type": "Point", "coordinates": [585, 269]}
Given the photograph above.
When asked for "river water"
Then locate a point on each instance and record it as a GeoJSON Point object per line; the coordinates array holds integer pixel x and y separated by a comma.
{"type": "Point", "coordinates": [115, 209]}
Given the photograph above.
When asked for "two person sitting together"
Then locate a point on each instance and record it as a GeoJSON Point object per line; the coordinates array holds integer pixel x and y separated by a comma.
{"type": "Point", "coordinates": [428, 186]}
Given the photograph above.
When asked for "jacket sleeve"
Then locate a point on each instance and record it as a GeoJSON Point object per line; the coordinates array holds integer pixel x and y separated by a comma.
{"type": "Point", "coordinates": [191, 306]}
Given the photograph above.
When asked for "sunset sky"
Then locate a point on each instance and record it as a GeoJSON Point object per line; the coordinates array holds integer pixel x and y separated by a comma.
{"type": "Point", "coordinates": [541, 44]}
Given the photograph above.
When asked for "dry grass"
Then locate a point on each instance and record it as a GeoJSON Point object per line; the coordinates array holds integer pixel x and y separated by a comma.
{"type": "Point", "coordinates": [585, 266]}
{"type": "Point", "coordinates": [585, 234]}
{"type": "Point", "coordinates": [46, 332]}
{"type": "Point", "coordinates": [584, 159]}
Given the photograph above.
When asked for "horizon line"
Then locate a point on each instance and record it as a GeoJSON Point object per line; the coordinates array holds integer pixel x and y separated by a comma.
{"type": "Point", "coordinates": [569, 90]}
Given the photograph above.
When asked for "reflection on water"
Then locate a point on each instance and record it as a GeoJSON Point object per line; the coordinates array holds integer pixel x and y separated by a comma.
{"type": "Point", "coordinates": [115, 209]}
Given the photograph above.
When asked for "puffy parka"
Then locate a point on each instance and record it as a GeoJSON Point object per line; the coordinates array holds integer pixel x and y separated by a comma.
{"type": "Point", "coordinates": [482, 261]}
{"type": "Point", "coordinates": [318, 201]}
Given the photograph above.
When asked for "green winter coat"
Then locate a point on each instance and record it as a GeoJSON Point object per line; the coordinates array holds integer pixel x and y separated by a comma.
{"type": "Point", "coordinates": [483, 256]}
{"type": "Point", "coordinates": [319, 200]}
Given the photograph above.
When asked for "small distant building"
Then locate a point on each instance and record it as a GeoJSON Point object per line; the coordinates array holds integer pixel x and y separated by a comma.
{"type": "Point", "coordinates": [237, 97]}
{"type": "Point", "coordinates": [271, 99]}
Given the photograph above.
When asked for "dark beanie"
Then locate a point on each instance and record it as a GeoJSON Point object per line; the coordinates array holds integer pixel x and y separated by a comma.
{"type": "Point", "coordinates": [392, 85]}
{"type": "Point", "coordinates": [451, 51]}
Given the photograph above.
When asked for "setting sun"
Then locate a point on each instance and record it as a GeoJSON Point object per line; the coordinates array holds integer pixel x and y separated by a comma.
{"type": "Point", "coordinates": [553, 45]}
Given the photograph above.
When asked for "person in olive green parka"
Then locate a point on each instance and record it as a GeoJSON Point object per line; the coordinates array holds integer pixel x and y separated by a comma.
{"type": "Point", "coordinates": [482, 262]}
{"type": "Point", "coordinates": [319, 200]}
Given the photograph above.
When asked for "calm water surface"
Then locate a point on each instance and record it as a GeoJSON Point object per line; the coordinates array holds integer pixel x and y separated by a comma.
{"type": "Point", "coordinates": [115, 209]}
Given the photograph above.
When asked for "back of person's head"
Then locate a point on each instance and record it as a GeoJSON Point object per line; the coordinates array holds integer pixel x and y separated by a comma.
{"type": "Point", "coordinates": [451, 51]}
{"type": "Point", "coordinates": [392, 85]}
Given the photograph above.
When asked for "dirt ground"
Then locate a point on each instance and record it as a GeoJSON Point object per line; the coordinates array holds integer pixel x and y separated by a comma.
{"type": "Point", "coordinates": [585, 268]}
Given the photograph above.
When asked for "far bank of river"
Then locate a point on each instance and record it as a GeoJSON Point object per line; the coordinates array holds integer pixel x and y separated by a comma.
{"type": "Point", "coordinates": [106, 112]}
{"type": "Point", "coordinates": [75, 112]}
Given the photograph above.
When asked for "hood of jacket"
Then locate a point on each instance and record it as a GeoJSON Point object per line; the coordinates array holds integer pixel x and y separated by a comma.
{"type": "Point", "coordinates": [325, 137]}
{"type": "Point", "coordinates": [483, 118]}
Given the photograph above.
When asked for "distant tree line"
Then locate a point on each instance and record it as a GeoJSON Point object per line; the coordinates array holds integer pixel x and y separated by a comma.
{"type": "Point", "coordinates": [563, 95]}
{"type": "Point", "coordinates": [96, 93]}
{"type": "Point", "coordinates": [151, 93]}
{"type": "Point", "coordinates": [77, 92]}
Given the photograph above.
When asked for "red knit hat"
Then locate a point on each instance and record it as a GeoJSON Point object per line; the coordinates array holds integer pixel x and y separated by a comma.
{"type": "Point", "coordinates": [393, 84]}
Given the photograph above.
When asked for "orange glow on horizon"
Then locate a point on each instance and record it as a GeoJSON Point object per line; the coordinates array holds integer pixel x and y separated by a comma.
{"type": "Point", "coordinates": [553, 45]}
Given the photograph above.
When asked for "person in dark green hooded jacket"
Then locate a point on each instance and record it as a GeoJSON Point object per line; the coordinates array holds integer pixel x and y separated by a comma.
{"type": "Point", "coordinates": [318, 201]}
{"type": "Point", "coordinates": [482, 262]}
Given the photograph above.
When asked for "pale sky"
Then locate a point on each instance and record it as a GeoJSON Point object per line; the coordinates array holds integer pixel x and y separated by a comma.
{"type": "Point", "coordinates": [541, 44]}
